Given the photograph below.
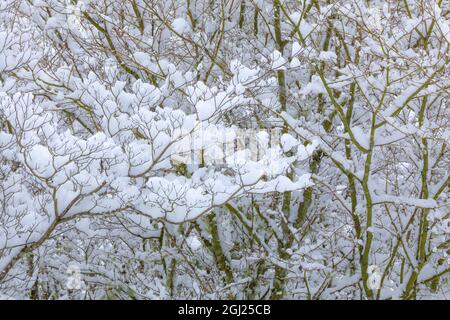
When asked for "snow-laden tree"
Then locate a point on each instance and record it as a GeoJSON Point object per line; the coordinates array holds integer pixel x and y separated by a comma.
{"type": "Point", "coordinates": [251, 149]}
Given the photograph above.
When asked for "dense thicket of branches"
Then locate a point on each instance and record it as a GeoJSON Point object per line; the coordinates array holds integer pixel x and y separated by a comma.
{"type": "Point", "coordinates": [347, 198]}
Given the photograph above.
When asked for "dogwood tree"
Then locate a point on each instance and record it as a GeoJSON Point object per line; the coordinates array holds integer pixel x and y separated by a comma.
{"type": "Point", "coordinates": [251, 149]}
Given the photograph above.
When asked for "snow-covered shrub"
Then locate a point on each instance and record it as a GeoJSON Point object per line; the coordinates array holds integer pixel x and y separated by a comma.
{"type": "Point", "coordinates": [224, 149]}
